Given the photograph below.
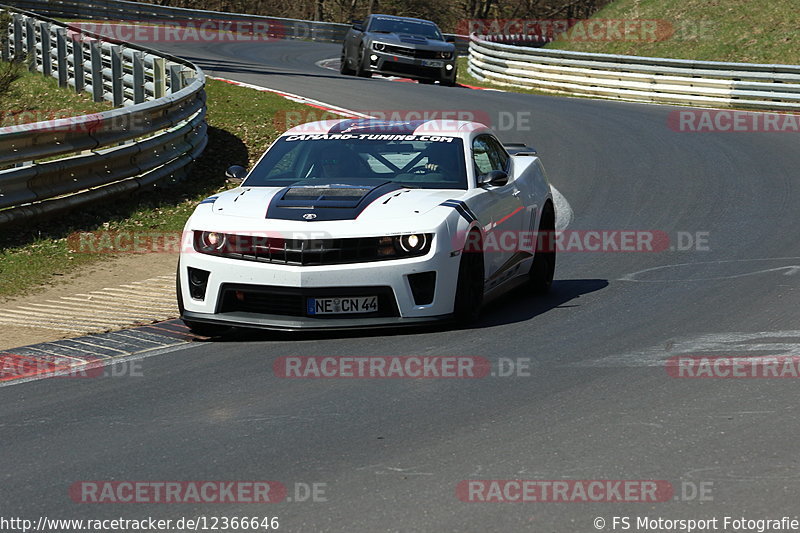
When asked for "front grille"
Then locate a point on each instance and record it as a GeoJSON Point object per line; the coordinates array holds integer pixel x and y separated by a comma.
{"type": "Point", "coordinates": [410, 52]}
{"type": "Point", "coordinates": [307, 252]}
{"type": "Point", "coordinates": [290, 301]}
{"type": "Point", "coordinates": [405, 68]}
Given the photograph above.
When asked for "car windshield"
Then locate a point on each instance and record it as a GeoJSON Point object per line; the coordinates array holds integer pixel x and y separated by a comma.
{"type": "Point", "coordinates": [414, 161]}
{"type": "Point", "coordinates": [428, 30]}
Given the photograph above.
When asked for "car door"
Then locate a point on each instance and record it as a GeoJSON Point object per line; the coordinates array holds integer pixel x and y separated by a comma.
{"type": "Point", "coordinates": [499, 210]}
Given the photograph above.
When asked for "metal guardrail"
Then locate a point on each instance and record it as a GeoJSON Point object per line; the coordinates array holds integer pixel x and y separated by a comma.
{"type": "Point", "coordinates": [121, 10]}
{"type": "Point", "coordinates": [63, 163]}
{"type": "Point", "coordinates": [642, 79]}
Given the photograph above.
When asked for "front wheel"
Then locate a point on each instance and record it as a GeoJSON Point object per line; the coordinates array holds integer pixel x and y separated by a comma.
{"type": "Point", "coordinates": [343, 68]}
{"type": "Point", "coordinates": [469, 289]}
{"type": "Point", "coordinates": [361, 71]}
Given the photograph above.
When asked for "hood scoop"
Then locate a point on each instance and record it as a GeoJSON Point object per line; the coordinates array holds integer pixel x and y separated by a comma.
{"type": "Point", "coordinates": [412, 39]}
{"type": "Point", "coordinates": [327, 201]}
{"type": "Point", "coordinates": [324, 196]}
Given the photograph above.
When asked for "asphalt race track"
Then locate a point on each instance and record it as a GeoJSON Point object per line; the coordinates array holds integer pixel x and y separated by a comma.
{"type": "Point", "coordinates": [597, 403]}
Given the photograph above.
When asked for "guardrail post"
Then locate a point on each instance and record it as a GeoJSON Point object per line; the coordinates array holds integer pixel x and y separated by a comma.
{"type": "Point", "coordinates": [30, 42]}
{"type": "Point", "coordinates": [47, 60]}
{"type": "Point", "coordinates": [18, 53]}
{"type": "Point", "coordinates": [159, 77]}
{"type": "Point", "coordinates": [138, 78]}
{"type": "Point", "coordinates": [97, 71]}
{"type": "Point", "coordinates": [61, 57]}
{"type": "Point", "coordinates": [77, 61]}
{"type": "Point", "coordinates": [175, 78]}
{"type": "Point", "coordinates": [6, 51]}
{"type": "Point", "coordinates": [117, 91]}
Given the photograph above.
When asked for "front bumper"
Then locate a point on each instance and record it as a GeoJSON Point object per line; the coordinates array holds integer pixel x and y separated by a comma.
{"type": "Point", "coordinates": [400, 65]}
{"type": "Point", "coordinates": [389, 280]}
{"type": "Point", "coordinates": [282, 323]}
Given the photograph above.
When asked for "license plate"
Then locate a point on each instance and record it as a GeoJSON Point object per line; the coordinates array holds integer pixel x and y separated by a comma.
{"type": "Point", "coordinates": [430, 63]}
{"type": "Point", "coordinates": [336, 306]}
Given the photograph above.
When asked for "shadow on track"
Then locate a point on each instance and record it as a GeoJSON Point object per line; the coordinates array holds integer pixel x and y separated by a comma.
{"type": "Point", "coordinates": [507, 309]}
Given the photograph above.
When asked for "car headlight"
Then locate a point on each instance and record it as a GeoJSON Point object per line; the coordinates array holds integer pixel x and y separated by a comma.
{"type": "Point", "coordinates": [210, 241]}
{"type": "Point", "coordinates": [410, 245]}
{"type": "Point", "coordinates": [445, 55]}
{"type": "Point", "coordinates": [380, 47]}
{"type": "Point", "coordinates": [413, 243]}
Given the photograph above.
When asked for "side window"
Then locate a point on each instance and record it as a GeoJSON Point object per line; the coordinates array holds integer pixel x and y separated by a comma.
{"type": "Point", "coordinates": [502, 155]}
{"type": "Point", "coordinates": [481, 154]}
{"type": "Point", "coordinates": [488, 155]}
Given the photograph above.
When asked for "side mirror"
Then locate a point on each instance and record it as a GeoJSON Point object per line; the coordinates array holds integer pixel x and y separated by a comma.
{"type": "Point", "coordinates": [498, 178]}
{"type": "Point", "coordinates": [358, 25]}
{"type": "Point", "coordinates": [236, 173]}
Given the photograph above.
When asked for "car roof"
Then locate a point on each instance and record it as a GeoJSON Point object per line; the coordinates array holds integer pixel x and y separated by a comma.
{"type": "Point", "coordinates": [396, 17]}
{"type": "Point", "coordinates": [441, 127]}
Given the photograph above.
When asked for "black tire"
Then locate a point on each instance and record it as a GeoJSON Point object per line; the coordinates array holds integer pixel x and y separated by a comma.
{"type": "Point", "coordinates": [343, 68]}
{"type": "Point", "coordinates": [198, 328]}
{"type": "Point", "coordinates": [361, 72]}
{"type": "Point", "coordinates": [543, 267]}
{"type": "Point", "coordinates": [469, 290]}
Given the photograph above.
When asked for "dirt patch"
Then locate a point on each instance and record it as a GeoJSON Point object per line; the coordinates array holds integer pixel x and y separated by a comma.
{"type": "Point", "coordinates": [32, 310]}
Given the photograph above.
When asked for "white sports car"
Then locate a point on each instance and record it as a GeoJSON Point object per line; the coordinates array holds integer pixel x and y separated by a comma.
{"type": "Point", "coordinates": [357, 223]}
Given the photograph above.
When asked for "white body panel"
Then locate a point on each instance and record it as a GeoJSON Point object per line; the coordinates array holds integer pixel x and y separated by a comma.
{"type": "Point", "coordinates": [513, 207]}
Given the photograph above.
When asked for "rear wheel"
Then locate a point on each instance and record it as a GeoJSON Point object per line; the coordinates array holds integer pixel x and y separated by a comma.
{"type": "Point", "coordinates": [469, 290]}
{"type": "Point", "coordinates": [544, 259]}
{"type": "Point", "coordinates": [343, 68]}
{"type": "Point", "coordinates": [198, 328]}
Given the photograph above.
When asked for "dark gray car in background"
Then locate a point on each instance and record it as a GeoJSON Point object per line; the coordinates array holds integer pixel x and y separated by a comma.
{"type": "Point", "coordinates": [399, 46]}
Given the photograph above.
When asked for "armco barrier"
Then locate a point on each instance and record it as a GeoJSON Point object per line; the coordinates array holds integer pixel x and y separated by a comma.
{"type": "Point", "coordinates": [642, 79]}
{"type": "Point", "coordinates": [63, 163]}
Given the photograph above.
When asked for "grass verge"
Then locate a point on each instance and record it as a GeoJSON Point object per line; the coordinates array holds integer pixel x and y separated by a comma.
{"type": "Point", "coordinates": [241, 127]}
{"type": "Point", "coordinates": [34, 98]}
{"type": "Point", "coordinates": [745, 31]}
